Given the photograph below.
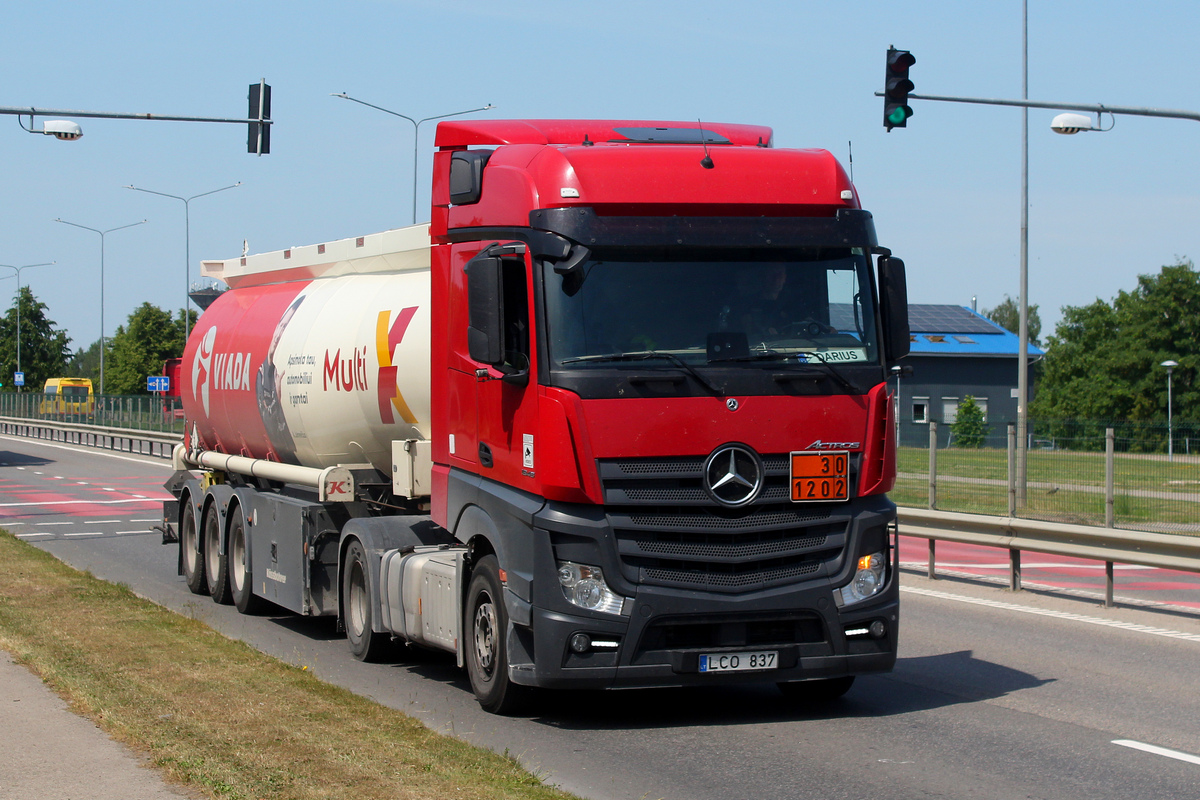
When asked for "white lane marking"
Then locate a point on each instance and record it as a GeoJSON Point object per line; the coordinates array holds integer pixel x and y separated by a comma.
{"type": "Point", "coordinates": [99, 521]}
{"type": "Point", "coordinates": [78, 503]}
{"type": "Point", "coordinates": [53, 523]}
{"type": "Point", "coordinates": [82, 483]}
{"type": "Point", "coordinates": [35, 472]}
{"type": "Point", "coordinates": [7, 524]}
{"type": "Point", "coordinates": [89, 533]}
{"type": "Point", "coordinates": [31, 535]}
{"type": "Point", "coordinates": [109, 489]}
{"type": "Point", "coordinates": [1042, 612]}
{"type": "Point", "coordinates": [146, 520]}
{"type": "Point", "coordinates": [1158, 751]}
{"type": "Point", "coordinates": [139, 533]}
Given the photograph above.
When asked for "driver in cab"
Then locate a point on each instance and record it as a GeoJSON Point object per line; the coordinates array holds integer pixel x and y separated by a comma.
{"type": "Point", "coordinates": [758, 309]}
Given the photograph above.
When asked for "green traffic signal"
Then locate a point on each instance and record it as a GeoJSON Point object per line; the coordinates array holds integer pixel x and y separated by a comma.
{"type": "Point", "coordinates": [896, 110]}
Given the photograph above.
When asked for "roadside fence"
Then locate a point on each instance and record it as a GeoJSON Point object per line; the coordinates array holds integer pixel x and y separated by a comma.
{"type": "Point", "coordinates": [1117, 475]}
{"type": "Point", "coordinates": [135, 412]}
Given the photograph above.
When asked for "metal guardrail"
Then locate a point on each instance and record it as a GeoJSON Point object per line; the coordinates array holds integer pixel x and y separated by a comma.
{"type": "Point", "coordinates": [1110, 545]}
{"type": "Point", "coordinates": [148, 443]}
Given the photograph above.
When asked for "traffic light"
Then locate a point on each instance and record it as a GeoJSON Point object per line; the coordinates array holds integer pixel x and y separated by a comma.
{"type": "Point", "coordinates": [896, 109]}
{"type": "Point", "coordinates": [259, 140]}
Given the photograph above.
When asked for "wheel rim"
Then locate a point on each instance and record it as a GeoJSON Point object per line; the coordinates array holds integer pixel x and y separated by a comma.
{"type": "Point", "coordinates": [486, 640]}
{"type": "Point", "coordinates": [212, 551]}
{"type": "Point", "coordinates": [358, 600]}
{"type": "Point", "coordinates": [237, 555]}
{"type": "Point", "coordinates": [189, 543]}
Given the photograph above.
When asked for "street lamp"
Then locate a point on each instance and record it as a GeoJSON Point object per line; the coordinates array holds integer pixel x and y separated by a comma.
{"type": "Point", "coordinates": [1170, 365]}
{"type": "Point", "coordinates": [102, 234]}
{"type": "Point", "coordinates": [18, 271]}
{"type": "Point", "coordinates": [187, 243]}
{"type": "Point", "coordinates": [416, 133]}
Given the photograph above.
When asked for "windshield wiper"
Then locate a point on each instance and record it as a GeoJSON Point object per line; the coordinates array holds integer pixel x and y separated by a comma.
{"type": "Point", "coordinates": [769, 355]}
{"type": "Point", "coordinates": [832, 370]}
{"type": "Point", "coordinates": [647, 356]}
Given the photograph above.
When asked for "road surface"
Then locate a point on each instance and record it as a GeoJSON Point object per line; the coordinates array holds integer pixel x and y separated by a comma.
{"type": "Point", "coordinates": [995, 694]}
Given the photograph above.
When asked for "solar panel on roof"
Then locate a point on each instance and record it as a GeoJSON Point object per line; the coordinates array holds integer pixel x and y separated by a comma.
{"type": "Point", "coordinates": [931, 318]}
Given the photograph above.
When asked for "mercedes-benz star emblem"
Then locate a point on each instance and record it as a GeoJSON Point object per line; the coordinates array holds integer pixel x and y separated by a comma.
{"type": "Point", "coordinates": [733, 475]}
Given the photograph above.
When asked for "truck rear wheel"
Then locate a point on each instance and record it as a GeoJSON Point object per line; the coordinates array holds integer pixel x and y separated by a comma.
{"type": "Point", "coordinates": [241, 581]}
{"type": "Point", "coordinates": [190, 551]}
{"type": "Point", "coordinates": [816, 692]}
{"type": "Point", "coordinates": [358, 610]}
{"type": "Point", "coordinates": [486, 627]}
{"type": "Point", "coordinates": [216, 564]}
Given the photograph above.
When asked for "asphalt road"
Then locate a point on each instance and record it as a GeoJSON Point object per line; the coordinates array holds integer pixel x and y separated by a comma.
{"type": "Point", "coordinates": [995, 695]}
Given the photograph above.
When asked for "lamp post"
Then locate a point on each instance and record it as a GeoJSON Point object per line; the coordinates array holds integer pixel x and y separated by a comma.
{"type": "Point", "coordinates": [18, 271]}
{"type": "Point", "coordinates": [187, 243]}
{"type": "Point", "coordinates": [416, 133]}
{"type": "Point", "coordinates": [1170, 365]}
{"type": "Point", "coordinates": [102, 235]}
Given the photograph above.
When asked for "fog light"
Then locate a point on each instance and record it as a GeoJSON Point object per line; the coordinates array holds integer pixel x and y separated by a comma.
{"type": "Point", "coordinates": [868, 580]}
{"type": "Point", "coordinates": [877, 629]}
{"type": "Point", "coordinates": [581, 643]}
{"type": "Point", "coordinates": [584, 586]}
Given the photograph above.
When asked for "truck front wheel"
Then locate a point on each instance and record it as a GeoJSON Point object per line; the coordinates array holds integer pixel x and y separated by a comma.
{"type": "Point", "coordinates": [358, 607]}
{"type": "Point", "coordinates": [216, 563]}
{"type": "Point", "coordinates": [190, 551]}
{"type": "Point", "coordinates": [487, 651]}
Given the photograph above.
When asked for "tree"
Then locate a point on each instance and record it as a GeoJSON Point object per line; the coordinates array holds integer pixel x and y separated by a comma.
{"type": "Point", "coordinates": [968, 427]}
{"type": "Point", "coordinates": [85, 363]}
{"type": "Point", "coordinates": [44, 348]}
{"type": "Point", "coordinates": [1103, 359]}
{"type": "Point", "coordinates": [139, 349]}
{"type": "Point", "coordinates": [1008, 316]}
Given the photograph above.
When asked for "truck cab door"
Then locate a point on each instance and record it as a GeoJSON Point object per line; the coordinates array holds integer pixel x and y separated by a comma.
{"type": "Point", "coordinates": [500, 341]}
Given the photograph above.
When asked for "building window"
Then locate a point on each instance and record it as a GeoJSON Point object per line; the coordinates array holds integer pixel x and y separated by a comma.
{"type": "Point", "coordinates": [949, 410]}
{"type": "Point", "coordinates": [920, 410]}
{"type": "Point", "coordinates": [982, 403]}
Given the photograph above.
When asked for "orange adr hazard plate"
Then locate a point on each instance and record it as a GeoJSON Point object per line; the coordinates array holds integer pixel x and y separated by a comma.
{"type": "Point", "coordinates": [820, 476]}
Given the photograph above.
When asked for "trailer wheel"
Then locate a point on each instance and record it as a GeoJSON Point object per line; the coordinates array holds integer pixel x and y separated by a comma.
{"type": "Point", "coordinates": [241, 581]}
{"type": "Point", "coordinates": [216, 565]}
{"type": "Point", "coordinates": [817, 692]}
{"type": "Point", "coordinates": [358, 610]}
{"type": "Point", "coordinates": [487, 651]}
{"type": "Point", "coordinates": [190, 555]}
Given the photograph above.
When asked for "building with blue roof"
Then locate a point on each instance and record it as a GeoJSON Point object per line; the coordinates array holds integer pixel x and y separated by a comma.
{"type": "Point", "coordinates": [955, 352]}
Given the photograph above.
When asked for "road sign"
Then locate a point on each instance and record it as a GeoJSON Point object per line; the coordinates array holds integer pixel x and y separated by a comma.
{"type": "Point", "coordinates": [19, 378]}
{"type": "Point", "coordinates": [158, 383]}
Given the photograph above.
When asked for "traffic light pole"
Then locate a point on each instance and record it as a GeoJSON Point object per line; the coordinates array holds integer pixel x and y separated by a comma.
{"type": "Point", "coordinates": [1096, 108]}
{"type": "Point", "coordinates": [1025, 104]}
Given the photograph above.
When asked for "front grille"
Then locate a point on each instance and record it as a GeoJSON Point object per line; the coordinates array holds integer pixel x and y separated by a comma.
{"type": "Point", "coordinates": [710, 576]}
{"type": "Point", "coordinates": [669, 532]}
{"type": "Point", "coordinates": [679, 634]}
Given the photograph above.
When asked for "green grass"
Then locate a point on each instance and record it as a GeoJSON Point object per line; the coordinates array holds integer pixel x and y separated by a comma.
{"type": "Point", "coordinates": [215, 714]}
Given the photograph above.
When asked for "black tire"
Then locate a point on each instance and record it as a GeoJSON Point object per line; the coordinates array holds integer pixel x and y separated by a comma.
{"type": "Point", "coordinates": [191, 553]}
{"type": "Point", "coordinates": [485, 627]}
{"type": "Point", "coordinates": [358, 607]}
{"type": "Point", "coordinates": [241, 581]}
{"type": "Point", "coordinates": [216, 563]}
{"type": "Point", "coordinates": [817, 692]}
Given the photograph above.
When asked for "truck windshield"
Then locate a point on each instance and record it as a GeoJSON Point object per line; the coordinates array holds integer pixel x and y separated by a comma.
{"type": "Point", "coordinates": [705, 309]}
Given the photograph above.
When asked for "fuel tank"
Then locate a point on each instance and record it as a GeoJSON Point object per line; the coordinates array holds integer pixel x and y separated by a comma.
{"type": "Point", "coordinates": [315, 355]}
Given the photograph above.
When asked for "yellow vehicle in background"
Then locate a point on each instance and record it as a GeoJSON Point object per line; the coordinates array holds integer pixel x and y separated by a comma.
{"type": "Point", "coordinates": [67, 397]}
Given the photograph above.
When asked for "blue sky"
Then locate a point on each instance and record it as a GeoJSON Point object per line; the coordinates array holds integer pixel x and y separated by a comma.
{"type": "Point", "coordinates": [1104, 207]}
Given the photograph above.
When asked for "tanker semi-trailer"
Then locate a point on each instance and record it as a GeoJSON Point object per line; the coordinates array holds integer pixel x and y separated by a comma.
{"type": "Point", "coordinates": [617, 417]}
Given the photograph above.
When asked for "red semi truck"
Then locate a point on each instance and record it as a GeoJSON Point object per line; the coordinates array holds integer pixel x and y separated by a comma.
{"type": "Point", "coordinates": [617, 417]}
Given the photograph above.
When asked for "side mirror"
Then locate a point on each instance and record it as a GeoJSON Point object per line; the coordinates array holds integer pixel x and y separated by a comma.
{"type": "Point", "coordinates": [893, 307]}
{"type": "Point", "coordinates": [485, 310]}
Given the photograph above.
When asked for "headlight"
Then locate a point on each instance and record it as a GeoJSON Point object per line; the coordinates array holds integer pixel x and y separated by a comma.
{"type": "Point", "coordinates": [584, 586]}
{"type": "Point", "coordinates": [867, 582]}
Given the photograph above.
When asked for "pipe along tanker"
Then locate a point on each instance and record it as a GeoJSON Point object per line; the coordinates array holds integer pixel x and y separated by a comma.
{"type": "Point", "coordinates": [616, 417]}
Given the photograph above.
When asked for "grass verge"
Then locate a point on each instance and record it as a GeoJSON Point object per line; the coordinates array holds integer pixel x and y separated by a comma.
{"type": "Point", "coordinates": [217, 715]}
